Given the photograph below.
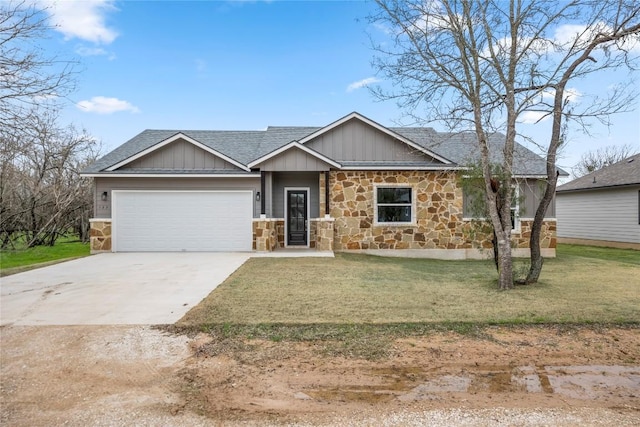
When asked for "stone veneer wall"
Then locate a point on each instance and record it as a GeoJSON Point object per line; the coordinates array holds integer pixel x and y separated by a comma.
{"type": "Point", "coordinates": [439, 215]}
{"type": "Point", "coordinates": [324, 234]}
{"type": "Point", "coordinates": [268, 234]}
{"type": "Point", "coordinates": [100, 235]}
{"type": "Point", "coordinates": [438, 202]}
{"type": "Point", "coordinates": [519, 240]}
{"type": "Point", "coordinates": [264, 235]}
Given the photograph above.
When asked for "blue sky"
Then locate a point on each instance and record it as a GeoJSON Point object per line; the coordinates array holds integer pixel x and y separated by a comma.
{"type": "Point", "coordinates": [237, 65]}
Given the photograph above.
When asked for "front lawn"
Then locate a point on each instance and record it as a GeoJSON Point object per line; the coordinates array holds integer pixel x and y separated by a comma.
{"type": "Point", "coordinates": [580, 286]}
{"type": "Point", "coordinates": [63, 249]}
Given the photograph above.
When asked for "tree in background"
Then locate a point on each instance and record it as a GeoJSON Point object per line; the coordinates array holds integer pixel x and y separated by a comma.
{"type": "Point", "coordinates": [30, 78]}
{"type": "Point", "coordinates": [481, 65]}
{"type": "Point", "coordinates": [594, 160]}
{"type": "Point", "coordinates": [41, 193]}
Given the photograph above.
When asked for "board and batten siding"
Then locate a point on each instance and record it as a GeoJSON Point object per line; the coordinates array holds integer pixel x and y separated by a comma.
{"type": "Point", "coordinates": [609, 214]}
{"type": "Point", "coordinates": [296, 160]}
{"type": "Point", "coordinates": [180, 155]}
{"type": "Point", "coordinates": [103, 208]}
{"type": "Point", "coordinates": [298, 180]}
{"type": "Point", "coordinates": [531, 190]}
{"type": "Point", "coordinates": [357, 141]}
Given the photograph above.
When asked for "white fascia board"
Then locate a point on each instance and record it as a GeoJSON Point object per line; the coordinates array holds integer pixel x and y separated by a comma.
{"type": "Point", "coordinates": [171, 139]}
{"type": "Point", "coordinates": [401, 168]}
{"type": "Point", "coordinates": [513, 176]}
{"type": "Point", "coordinates": [378, 127]}
{"type": "Point", "coordinates": [529, 176]}
{"type": "Point", "coordinates": [170, 175]}
{"type": "Point", "coordinates": [295, 144]}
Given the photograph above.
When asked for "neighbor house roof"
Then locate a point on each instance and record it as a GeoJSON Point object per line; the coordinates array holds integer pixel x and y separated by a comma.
{"type": "Point", "coordinates": [246, 147]}
{"type": "Point", "coordinates": [623, 173]}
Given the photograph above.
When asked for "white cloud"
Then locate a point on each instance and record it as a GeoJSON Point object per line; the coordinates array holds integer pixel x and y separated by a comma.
{"type": "Point", "coordinates": [571, 94]}
{"type": "Point", "coordinates": [104, 105]}
{"type": "Point", "coordinates": [90, 51]}
{"type": "Point", "coordinates": [82, 19]}
{"type": "Point", "coordinates": [382, 28]}
{"type": "Point", "coordinates": [361, 83]}
{"type": "Point", "coordinates": [568, 33]}
{"type": "Point", "coordinates": [532, 117]}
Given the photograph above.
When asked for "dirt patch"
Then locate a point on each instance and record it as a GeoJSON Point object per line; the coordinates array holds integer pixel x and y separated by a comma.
{"type": "Point", "coordinates": [139, 375]}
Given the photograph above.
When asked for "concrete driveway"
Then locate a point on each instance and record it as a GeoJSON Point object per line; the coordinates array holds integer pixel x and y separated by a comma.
{"type": "Point", "coordinates": [114, 288]}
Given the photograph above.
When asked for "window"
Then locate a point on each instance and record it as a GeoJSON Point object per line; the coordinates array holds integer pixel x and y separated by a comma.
{"type": "Point", "coordinates": [394, 205]}
{"type": "Point", "coordinates": [515, 208]}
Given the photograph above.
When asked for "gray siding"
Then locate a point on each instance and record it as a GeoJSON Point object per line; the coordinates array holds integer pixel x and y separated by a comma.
{"type": "Point", "coordinates": [180, 155]}
{"type": "Point", "coordinates": [294, 159]}
{"type": "Point", "coordinates": [295, 179]}
{"type": "Point", "coordinates": [357, 141]}
{"type": "Point", "coordinates": [268, 189]}
{"type": "Point", "coordinates": [610, 215]}
{"type": "Point", "coordinates": [103, 209]}
{"type": "Point", "coordinates": [531, 191]}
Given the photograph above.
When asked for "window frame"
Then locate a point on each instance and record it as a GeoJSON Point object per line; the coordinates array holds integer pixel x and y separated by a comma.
{"type": "Point", "coordinates": [515, 208]}
{"type": "Point", "coordinates": [412, 205]}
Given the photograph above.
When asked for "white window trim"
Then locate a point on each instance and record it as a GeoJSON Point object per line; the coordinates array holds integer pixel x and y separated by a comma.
{"type": "Point", "coordinates": [413, 222]}
{"type": "Point", "coordinates": [515, 188]}
{"type": "Point", "coordinates": [286, 216]}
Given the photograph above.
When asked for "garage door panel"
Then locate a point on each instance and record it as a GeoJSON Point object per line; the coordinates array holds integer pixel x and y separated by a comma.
{"type": "Point", "coordinates": [182, 221]}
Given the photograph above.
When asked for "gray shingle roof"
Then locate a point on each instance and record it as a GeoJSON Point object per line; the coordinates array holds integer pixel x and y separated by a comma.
{"type": "Point", "coordinates": [246, 146]}
{"type": "Point", "coordinates": [626, 172]}
{"type": "Point", "coordinates": [461, 148]}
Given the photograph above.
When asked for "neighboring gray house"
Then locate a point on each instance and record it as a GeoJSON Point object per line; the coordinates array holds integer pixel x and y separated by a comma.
{"type": "Point", "coordinates": [351, 185]}
{"type": "Point", "coordinates": [603, 207]}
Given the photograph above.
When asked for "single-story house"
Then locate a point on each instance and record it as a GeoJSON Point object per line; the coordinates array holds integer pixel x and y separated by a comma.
{"type": "Point", "coordinates": [350, 185]}
{"type": "Point", "coordinates": [603, 207]}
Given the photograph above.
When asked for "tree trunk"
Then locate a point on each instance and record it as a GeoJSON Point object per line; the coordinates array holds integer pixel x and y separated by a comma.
{"type": "Point", "coordinates": [505, 273]}
{"type": "Point", "coordinates": [536, 260]}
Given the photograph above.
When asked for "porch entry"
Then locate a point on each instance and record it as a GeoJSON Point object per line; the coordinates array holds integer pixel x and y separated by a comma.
{"type": "Point", "coordinates": [297, 216]}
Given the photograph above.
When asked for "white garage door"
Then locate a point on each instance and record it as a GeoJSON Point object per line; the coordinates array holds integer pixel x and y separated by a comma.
{"type": "Point", "coordinates": [168, 221]}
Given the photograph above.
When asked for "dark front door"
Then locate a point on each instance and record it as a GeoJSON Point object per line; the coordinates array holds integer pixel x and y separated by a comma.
{"type": "Point", "coordinates": [296, 217]}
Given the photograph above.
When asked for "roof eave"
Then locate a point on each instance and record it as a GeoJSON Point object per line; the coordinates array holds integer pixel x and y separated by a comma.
{"type": "Point", "coordinates": [171, 139]}
{"type": "Point", "coordinates": [169, 174]}
{"type": "Point", "coordinates": [603, 187]}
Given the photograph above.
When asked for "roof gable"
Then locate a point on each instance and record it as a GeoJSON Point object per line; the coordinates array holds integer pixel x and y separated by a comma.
{"type": "Point", "coordinates": [357, 138]}
{"type": "Point", "coordinates": [172, 140]}
{"type": "Point", "coordinates": [179, 155]}
{"type": "Point", "coordinates": [625, 172]}
{"type": "Point", "coordinates": [296, 155]}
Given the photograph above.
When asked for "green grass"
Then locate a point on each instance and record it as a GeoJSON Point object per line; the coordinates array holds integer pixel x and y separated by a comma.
{"type": "Point", "coordinates": [581, 286]}
{"type": "Point", "coordinates": [65, 248]}
{"type": "Point", "coordinates": [608, 254]}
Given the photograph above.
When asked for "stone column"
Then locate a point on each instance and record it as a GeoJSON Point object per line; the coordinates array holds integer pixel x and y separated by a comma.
{"type": "Point", "coordinates": [100, 235]}
{"type": "Point", "coordinates": [264, 234]}
{"type": "Point", "coordinates": [324, 234]}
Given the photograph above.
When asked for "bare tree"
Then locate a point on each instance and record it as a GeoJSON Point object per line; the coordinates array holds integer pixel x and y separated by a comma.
{"type": "Point", "coordinates": [594, 160]}
{"type": "Point", "coordinates": [42, 195]}
{"type": "Point", "coordinates": [481, 65]}
{"type": "Point", "coordinates": [30, 77]}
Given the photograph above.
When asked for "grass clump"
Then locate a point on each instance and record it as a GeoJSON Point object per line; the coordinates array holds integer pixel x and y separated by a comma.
{"type": "Point", "coordinates": [354, 289]}
{"type": "Point", "coordinates": [13, 261]}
